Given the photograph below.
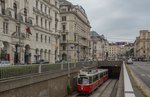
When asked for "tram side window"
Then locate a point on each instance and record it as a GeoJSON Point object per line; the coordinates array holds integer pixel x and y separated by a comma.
{"type": "Point", "coordinates": [101, 75]}
{"type": "Point", "coordinates": [83, 80]}
{"type": "Point", "coordinates": [95, 77]}
{"type": "Point", "coordinates": [90, 79]}
{"type": "Point", "coordinates": [106, 73]}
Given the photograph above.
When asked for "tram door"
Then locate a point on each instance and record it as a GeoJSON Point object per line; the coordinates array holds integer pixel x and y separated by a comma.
{"type": "Point", "coordinates": [74, 83]}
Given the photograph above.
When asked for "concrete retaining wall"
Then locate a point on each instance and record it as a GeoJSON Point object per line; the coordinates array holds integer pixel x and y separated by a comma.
{"type": "Point", "coordinates": [120, 89]}
{"type": "Point", "coordinates": [42, 85]}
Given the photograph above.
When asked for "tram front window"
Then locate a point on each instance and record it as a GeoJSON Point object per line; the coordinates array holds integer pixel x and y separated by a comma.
{"type": "Point", "coordinates": [83, 80]}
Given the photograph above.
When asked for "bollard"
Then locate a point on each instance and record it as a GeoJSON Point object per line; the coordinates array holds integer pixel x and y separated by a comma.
{"type": "Point", "coordinates": [62, 66]}
{"type": "Point", "coordinates": [40, 69]}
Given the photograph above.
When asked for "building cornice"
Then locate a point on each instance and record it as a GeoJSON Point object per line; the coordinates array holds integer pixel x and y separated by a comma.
{"type": "Point", "coordinates": [45, 31]}
{"type": "Point", "coordinates": [72, 12]}
{"type": "Point", "coordinates": [7, 18]}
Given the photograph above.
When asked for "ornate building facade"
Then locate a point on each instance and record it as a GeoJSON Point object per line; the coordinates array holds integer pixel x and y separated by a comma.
{"type": "Point", "coordinates": [75, 34]}
{"type": "Point", "coordinates": [114, 51]}
{"type": "Point", "coordinates": [29, 31]}
{"type": "Point", "coordinates": [99, 46]}
{"type": "Point", "coordinates": [142, 45]}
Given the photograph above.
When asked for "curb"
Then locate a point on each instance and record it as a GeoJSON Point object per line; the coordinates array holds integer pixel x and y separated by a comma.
{"type": "Point", "coordinates": [140, 84]}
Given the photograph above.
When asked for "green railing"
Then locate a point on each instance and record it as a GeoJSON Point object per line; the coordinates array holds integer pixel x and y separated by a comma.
{"type": "Point", "coordinates": [11, 71]}
{"type": "Point", "coordinates": [24, 70]}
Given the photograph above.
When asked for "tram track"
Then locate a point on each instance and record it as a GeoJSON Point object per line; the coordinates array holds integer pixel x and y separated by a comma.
{"type": "Point", "coordinates": [107, 89]}
{"type": "Point", "coordinates": [101, 89]}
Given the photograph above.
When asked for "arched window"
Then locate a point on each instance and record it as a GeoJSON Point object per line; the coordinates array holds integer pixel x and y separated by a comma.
{"type": "Point", "coordinates": [25, 14]}
{"type": "Point", "coordinates": [25, 10]}
{"type": "Point", "coordinates": [15, 10]}
{"type": "Point", "coordinates": [64, 56]}
{"type": "Point", "coordinates": [3, 6]}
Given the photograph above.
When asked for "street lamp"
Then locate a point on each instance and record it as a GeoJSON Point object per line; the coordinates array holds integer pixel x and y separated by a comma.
{"type": "Point", "coordinates": [1, 46]}
{"type": "Point", "coordinates": [18, 45]}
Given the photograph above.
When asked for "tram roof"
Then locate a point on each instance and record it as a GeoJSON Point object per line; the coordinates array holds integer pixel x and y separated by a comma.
{"type": "Point", "coordinates": [92, 72]}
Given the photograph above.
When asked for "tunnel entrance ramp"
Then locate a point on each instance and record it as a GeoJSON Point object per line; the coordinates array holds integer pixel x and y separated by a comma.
{"type": "Point", "coordinates": [114, 68]}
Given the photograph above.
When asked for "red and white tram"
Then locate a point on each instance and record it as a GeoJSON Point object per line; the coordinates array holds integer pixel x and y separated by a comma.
{"type": "Point", "coordinates": [88, 81]}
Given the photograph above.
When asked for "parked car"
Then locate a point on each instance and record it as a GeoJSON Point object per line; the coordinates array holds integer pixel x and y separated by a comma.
{"type": "Point", "coordinates": [42, 61]}
{"type": "Point", "coordinates": [129, 61]}
{"type": "Point", "coordinates": [4, 63]}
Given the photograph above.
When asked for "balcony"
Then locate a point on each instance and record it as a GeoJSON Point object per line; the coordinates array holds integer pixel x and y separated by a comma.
{"type": "Point", "coordinates": [63, 41]}
{"type": "Point", "coordinates": [68, 42]}
{"type": "Point", "coordinates": [84, 43]}
{"type": "Point", "coordinates": [72, 42]}
{"type": "Point", "coordinates": [64, 31]}
{"type": "Point", "coordinates": [47, 1]}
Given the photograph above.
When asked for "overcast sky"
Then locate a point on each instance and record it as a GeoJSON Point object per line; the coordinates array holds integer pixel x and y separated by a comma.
{"type": "Point", "coordinates": [118, 20]}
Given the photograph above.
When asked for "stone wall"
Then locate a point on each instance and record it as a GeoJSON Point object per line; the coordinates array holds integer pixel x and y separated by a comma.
{"type": "Point", "coordinates": [43, 85]}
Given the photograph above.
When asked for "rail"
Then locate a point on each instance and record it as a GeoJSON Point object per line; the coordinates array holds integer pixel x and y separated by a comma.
{"type": "Point", "coordinates": [128, 89]}
{"type": "Point", "coordinates": [7, 72]}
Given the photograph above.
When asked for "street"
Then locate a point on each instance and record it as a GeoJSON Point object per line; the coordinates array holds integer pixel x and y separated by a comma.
{"type": "Point", "coordinates": [142, 69]}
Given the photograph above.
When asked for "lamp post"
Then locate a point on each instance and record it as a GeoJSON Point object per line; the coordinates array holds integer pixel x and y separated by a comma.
{"type": "Point", "coordinates": [1, 46]}
{"type": "Point", "coordinates": [78, 49]}
{"type": "Point", "coordinates": [18, 45]}
{"type": "Point", "coordinates": [68, 65]}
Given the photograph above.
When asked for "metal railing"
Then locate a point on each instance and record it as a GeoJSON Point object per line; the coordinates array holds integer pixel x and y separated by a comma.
{"type": "Point", "coordinates": [13, 71]}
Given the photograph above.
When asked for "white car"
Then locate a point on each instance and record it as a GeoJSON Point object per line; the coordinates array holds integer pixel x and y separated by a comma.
{"type": "Point", "coordinates": [4, 63]}
{"type": "Point", "coordinates": [130, 61]}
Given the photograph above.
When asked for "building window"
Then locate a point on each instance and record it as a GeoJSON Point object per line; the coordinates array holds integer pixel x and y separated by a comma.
{"type": "Point", "coordinates": [41, 38]}
{"type": "Point", "coordinates": [41, 7]}
{"type": "Point", "coordinates": [27, 35]}
{"type": "Point", "coordinates": [25, 14]}
{"type": "Point", "coordinates": [63, 18]}
{"type": "Point", "coordinates": [3, 6]}
{"type": "Point", "coordinates": [45, 9]}
{"type": "Point", "coordinates": [45, 39]}
{"type": "Point", "coordinates": [55, 16]}
{"type": "Point", "coordinates": [45, 24]}
{"type": "Point", "coordinates": [5, 27]}
{"type": "Point", "coordinates": [41, 22]}
{"type": "Point", "coordinates": [17, 30]}
{"type": "Point", "coordinates": [37, 20]}
{"type": "Point", "coordinates": [49, 39]}
{"type": "Point", "coordinates": [64, 37]}
{"type": "Point", "coordinates": [15, 10]}
{"type": "Point", "coordinates": [49, 11]}
{"type": "Point", "coordinates": [56, 3]}
{"type": "Point", "coordinates": [63, 10]}
{"type": "Point", "coordinates": [49, 25]}
{"type": "Point", "coordinates": [75, 38]}
{"type": "Point", "coordinates": [37, 4]}
{"type": "Point", "coordinates": [56, 26]}
{"type": "Point", "coordinates": [64, 48]}
{"type": "Point", "coordinates": [64, 27]}
{"type": "Point", "coordinates": [36, 36]}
